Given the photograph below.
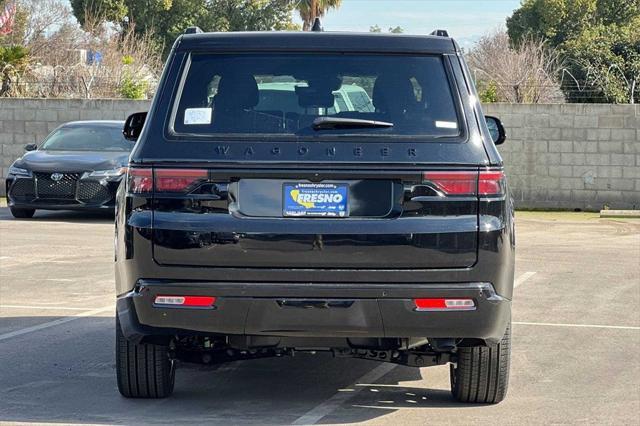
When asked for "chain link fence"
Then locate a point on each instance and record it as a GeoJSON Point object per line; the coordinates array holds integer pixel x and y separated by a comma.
{"type": "Point", "coordinates": [85, 82]}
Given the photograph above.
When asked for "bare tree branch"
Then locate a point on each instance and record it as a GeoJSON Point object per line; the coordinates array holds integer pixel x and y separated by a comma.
{"type": "Point", "coordinates": [524, 74]}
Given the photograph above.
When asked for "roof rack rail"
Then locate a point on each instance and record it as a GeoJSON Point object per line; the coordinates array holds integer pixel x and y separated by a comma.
{"type": "Point", "coordinates": [193, 30]}
{"type": "Point", "coordinates": [440, 33]}
{"type": "Point", "coordinates": [317, 25]}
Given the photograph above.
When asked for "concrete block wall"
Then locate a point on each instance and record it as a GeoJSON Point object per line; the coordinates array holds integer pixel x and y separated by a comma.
{"type": "Point", "coordinates": [572, 156]}
{"type": "Point", "coordinates": [566, 156]}
{"type": "Point", "coordinates": [25, 121]}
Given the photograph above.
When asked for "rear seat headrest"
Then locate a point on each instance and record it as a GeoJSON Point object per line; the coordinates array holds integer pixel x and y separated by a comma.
{"type": "Point", "coordinates": [237, 91]}
{"type": "Point", "coordinates": [392, 92]}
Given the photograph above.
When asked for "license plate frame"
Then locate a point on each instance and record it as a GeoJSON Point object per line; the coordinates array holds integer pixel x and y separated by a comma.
{"type": "Point", "coordinates": [319, 200]}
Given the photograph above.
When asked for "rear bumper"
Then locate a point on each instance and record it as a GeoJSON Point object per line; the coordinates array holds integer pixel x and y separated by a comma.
{"type": "Point", "coordinates": [351, 311]}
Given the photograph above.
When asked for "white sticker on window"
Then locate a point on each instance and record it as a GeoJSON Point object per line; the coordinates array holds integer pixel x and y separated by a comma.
{"type": "Point", "coordinates": [197, 116]}
{"type": "Point", "coordinates": [446, 124]}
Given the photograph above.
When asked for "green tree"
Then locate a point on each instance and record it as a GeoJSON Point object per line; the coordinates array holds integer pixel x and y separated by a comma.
{"type": "Point", "coordinates": [392, 30]}
{"type": "Point", "coordinates": [488, 92]}
{"type": "Point", "coordinates": [396, 30]}
{"type": "Point", "coordinates": [13, 62]}
{"type": "Point", "coordinates": [309, 10]}
{"type": "Point", "coordinates": [597, 38]}
{"type": "Point", "coordinates": [169, 18]}
{"type": "Point", "coordinates": [108, 10]}
{"type": "Point", "coordinates": [562, 20]}
{"type": "Point", "coordinates": [251, 15]}
{"type": "Point", "coordinates": [606, 57]}
{"type": "Point", "coordinates": [20, 28]}
{"type": "Point", "coordinates": [132, 87]}
{"type": "Point", "coordinates": [555, 20]}
{"type": "Point", "coordinates": [617, 11]}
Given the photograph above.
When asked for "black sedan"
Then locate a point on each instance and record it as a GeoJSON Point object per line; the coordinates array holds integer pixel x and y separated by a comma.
{"type": "Point", "coordinates": [78, 166]}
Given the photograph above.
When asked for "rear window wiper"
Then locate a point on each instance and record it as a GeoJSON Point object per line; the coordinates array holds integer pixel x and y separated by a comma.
{"type": "Point", "coordinates": [322, 123]}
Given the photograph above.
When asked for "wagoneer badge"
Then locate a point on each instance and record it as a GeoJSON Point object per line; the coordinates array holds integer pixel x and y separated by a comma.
{"type": "Point", "coordinates": [57, 176]}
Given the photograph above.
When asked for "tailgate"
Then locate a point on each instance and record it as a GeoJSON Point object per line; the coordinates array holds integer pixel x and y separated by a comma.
{"type": "Point", "coordinates": [248, 219]}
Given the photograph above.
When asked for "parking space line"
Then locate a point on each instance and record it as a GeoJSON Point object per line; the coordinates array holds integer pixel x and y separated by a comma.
{"type": "Point", "coordinates": [55, 322]}
{"type": "Point", "coordinates": [14, 423]}
{"type": "Point", "coordinates": [62, 280]}
{"type": "Point", "coordinates": [327, 407]}
{"type": "Point", "coordinates": [522, 278]}
{"type": "Point", "coordinates": [51, 308]}
{"type": "Point", "coordinates": [550, 324]}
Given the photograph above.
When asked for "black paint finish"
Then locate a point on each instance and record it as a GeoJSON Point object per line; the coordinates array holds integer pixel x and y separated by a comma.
{"type": "Point", "coordinates": [228, 237]}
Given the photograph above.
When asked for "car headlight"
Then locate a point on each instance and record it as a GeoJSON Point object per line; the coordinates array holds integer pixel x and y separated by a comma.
{"type": "Point", "coordinates": [18, 171]}
{"type": "Point", "coordinates": [113, 173]}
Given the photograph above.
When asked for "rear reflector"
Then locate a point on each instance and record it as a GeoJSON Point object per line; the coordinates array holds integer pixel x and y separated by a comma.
{"type": "Point", "coordinates": [178, 180]}
{"type": "Point", "coordinates": [187, 301]}
{"type": "Point", "coordinates": [482, 183]}
{"type": "Point", "coordinates": [444, 304]}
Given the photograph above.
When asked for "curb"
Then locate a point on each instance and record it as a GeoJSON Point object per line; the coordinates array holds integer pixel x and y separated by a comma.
{"type": "Point", "coordinates": [620, 213]}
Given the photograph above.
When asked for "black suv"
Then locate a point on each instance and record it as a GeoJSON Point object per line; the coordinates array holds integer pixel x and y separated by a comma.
{"type": "Point", "coordinates": [315, 191]}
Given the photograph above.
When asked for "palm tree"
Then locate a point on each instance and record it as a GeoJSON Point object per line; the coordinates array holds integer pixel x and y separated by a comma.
{"type": "Point", "coordinates": [311, 9]}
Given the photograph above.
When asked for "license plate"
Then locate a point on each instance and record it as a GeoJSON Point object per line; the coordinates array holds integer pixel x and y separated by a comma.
{"type": "Point", "coordinates": [315, 199]}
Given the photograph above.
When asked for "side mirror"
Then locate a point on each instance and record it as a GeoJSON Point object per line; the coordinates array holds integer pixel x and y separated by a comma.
{"type": "Point", "coordinates": [496, 130]}
{"type": "Point", "coordinates": [30, 147]}
{"type": "Point", "coordinates": [133, 126]}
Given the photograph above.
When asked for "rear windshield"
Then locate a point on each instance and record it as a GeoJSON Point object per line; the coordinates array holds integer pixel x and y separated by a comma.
{"type": "Point", "coordinates": [288, 94]}
{"type": "Point", "coordinates": [87, 138]}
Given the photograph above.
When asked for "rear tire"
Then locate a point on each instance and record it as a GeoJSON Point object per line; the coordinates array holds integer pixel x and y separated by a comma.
{"type": "Point", "coordinates": [143, 370]}
{"type": "Point", "coordinates": [22, 213]}
{"type": "Point", "coordinates": [482, 372]}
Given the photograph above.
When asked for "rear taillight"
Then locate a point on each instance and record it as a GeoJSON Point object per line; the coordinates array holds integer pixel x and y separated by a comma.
{"type": "Point", "coordinates": [491, 183]}
{"type": "Point", "coordinates": [466, 182]}
{"type": "Point", "coordinates": [453, 183]}
{"type": "Point", "coordinates": [178, 180]}
{"type": "Point", "coordinates": [443, 304]}
{"type": "Point", "coordinates": [141, 181]}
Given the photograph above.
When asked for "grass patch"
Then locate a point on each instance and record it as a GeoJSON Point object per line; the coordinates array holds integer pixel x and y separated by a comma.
{"type": "Point", "coordinates": [557, 215]}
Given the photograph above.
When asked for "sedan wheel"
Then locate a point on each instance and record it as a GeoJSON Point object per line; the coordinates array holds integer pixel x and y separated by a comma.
{"type": "Point", "coordinates": [22, 213]}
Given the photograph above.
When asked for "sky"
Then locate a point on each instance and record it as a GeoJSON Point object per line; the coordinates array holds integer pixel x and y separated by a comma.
{"type": "Point", "coordinates": [466, 20]}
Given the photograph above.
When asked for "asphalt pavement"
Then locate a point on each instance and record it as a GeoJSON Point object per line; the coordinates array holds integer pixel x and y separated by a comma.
{"type": "Point", "coordinates": [576, 341]}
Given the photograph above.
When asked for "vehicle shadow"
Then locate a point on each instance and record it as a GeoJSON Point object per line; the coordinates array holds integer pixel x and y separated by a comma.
{"type": "Point", "coordinates": [66, 373]}
{"type": "Point", "coordinates": [68, 216]}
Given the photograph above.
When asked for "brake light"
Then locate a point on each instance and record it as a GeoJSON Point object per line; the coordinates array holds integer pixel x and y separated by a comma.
{"type": "Point", "coordinates": [178, 180]}
{"type": "Point", "coordinates": [186, 301]}
{"type": "Point", "coordinates": [454, 183]}
{"type": "Point", "coordinates": [491, 183]}
{"type": "Point", "coordinates": [488, 182]}
{"type": "Point", "coordinates": [139, 181]}
{"type": "Point", "coordinates": [444, 304]}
